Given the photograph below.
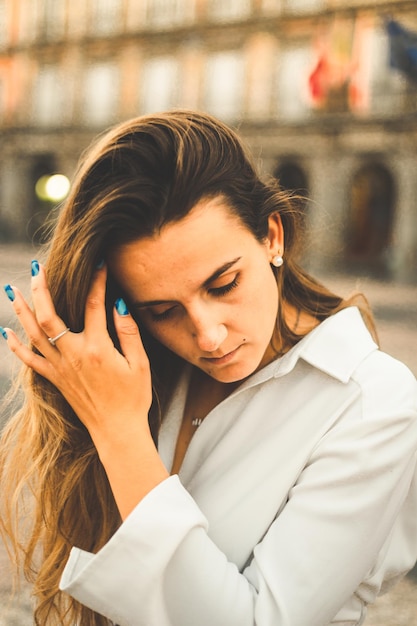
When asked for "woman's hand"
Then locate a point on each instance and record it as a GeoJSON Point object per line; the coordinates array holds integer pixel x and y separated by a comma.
{"type": "Point", "coordinates": [110, 392]}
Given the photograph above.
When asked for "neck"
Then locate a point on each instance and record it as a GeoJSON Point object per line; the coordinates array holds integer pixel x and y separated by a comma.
{"type": "Point", "coordinates": [204, 394]}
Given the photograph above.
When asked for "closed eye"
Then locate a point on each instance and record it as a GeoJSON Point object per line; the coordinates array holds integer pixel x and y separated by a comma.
{"type": "Point", "coordinates": [219, 292]}
{"type": "Point", "coordinates": [224, 289]}
{"type": "Point", "coordinates": [164, 315]}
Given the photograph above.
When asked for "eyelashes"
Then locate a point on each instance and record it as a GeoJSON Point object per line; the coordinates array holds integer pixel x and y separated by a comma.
{"type": "Point", "coordinates": [225, 289]}
{"type": "Point", "coordinates": [214, 291]}
{"type": "Point", "coordinates": [159, 317]}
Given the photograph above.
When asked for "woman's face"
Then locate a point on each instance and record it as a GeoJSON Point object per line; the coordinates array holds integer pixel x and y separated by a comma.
{"type": "Point", "coordinates": [205, 289]}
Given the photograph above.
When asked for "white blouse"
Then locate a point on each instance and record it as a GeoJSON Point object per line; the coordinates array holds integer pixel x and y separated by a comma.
{"type": "Point", "coordinates": [296, 504]}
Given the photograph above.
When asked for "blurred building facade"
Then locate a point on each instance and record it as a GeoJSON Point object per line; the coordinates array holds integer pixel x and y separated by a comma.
{"type": "Point", "coordinates": [324, 92]}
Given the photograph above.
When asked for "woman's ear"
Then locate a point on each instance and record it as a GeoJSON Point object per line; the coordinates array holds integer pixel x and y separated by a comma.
{"type": "Point", "coordinates": [275, 236]}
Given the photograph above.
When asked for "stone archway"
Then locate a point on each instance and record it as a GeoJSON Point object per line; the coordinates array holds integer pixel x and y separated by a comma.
{"type": "Point", "coordinates": [371, 215]}
{"type": "Point", "coordinates": [39, 165]}
{"type": "Point", "coordinates": [292, 177]}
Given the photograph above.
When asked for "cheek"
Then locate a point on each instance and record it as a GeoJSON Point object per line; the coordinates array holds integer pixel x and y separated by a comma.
{"type": "Point", "coordinates": [170, 335]}
{"type": "Point", "coordinates": [264, 295]}
{"type": "Point", "coordinates": [267, 311]}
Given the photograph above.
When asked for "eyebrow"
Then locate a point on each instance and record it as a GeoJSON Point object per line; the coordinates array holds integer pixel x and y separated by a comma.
{"type": "Point", "coordinates": [216, 274]}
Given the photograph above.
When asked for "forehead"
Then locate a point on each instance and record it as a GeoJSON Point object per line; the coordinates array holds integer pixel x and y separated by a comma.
{"type": "Point", "coordinates": [183, 252]}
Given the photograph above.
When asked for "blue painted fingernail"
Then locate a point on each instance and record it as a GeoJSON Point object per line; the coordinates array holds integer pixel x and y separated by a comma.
{"type": "Point", "coordinates": [3, 332]}
{"type": "Point", "coordinates": [121, 307]}
{"type": "Point", "coordinates": [9, 292]}
{"type": "Point", "coordinates": [100, 264]}
{"type": "Point", "coordinates": [35, 268]}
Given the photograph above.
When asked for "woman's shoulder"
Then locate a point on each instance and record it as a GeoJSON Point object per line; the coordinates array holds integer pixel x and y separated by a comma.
{"type": "Point", "coordinates": [386, 381]}
{"type": "Point", "coordinates": [343, 348]}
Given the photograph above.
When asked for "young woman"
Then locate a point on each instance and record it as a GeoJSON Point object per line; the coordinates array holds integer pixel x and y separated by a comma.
{"type": "Point", "coordinates": [209, 436]}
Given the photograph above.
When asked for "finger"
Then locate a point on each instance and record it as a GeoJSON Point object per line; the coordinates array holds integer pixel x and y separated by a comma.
{"type": "Point", "coordinates": [95, 321]}
{"type": "Point", "coordinates": [36, 362]}
{"type": "Point", "coordinates": [46, 316]}
{"type": "Point", "coordinates": [27, 319]}
{"type": "Point", "coordinates": [129, 336]}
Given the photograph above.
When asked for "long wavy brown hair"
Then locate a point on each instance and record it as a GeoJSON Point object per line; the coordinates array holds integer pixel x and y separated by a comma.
{"type": "Point", "coordinates": [141, 175]}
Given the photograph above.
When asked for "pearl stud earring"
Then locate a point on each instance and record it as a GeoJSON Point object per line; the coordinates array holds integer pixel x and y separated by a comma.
{"type": "Point", "coordinates": [277, 260]}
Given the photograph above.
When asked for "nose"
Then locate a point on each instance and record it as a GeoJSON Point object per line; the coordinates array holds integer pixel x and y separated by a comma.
{"type": "Point", "coordinates": [209, 333]}
{"type": "Point", "coordinates": [210, 339]}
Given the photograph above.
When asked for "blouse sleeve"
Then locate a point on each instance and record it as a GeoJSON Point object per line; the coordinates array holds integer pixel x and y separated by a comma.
{"type": "Point", "coordinates": [162, 569]}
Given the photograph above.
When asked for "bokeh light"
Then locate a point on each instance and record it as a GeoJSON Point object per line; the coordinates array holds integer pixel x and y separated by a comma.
{"type": "Point", "coordinates": [52, 188]}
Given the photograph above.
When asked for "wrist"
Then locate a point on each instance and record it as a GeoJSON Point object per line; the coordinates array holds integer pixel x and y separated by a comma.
{"type": "Point", "coordinates": [133, 466]}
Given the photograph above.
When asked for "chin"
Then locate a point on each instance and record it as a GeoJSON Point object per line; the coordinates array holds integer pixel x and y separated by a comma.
{"type": "Point", "coordinates": [232, 374]}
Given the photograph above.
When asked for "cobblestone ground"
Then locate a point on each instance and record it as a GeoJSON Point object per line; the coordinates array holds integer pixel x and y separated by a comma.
{"type": "Point", "coordinates": [395, 308]}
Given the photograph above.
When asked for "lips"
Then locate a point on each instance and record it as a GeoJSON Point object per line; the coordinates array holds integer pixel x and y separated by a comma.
{"type": "Point", "coordinates": [221, 360]}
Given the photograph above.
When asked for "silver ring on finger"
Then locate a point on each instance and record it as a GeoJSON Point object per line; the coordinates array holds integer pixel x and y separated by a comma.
{"type": "Point", "coordinates": [53, 340]}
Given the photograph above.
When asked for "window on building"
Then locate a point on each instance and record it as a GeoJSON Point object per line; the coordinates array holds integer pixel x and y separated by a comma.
{"type": "Point", "coordinates": [101, 94]}
{"type": "Point", "coordinates": [166, 13]}
{"type": "Point", "coordinates": [224, 84]}
{"type": "Point", "coordinates": [2, 99]}
{"type": "Point", "coordinates": [53, 19]}
{"type": "Point", "coordinates": [303, 6]}
{"type": "Point", "coordinates": [4, 35]}
{"type": "Point", "coordinates": [49, 102]}
{"type": "Point", "coordinates": [291, 96]}
{"type": "Point", "coordinates": [387, 86]}
{"type": "Point", "coordinates": [30, 19]}
{"type": "Point", "coordinates": [228, 9]}
{"type": "Point", "coordinates": [105, 16]}
{"type": "Point", "coordinates": [159, 86]}
{"type": "Point", "coordinates": [272, 6]}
